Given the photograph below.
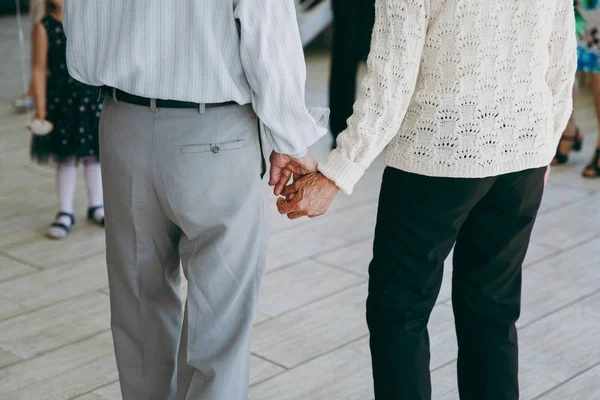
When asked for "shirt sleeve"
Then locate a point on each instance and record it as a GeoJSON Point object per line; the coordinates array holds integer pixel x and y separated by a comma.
{"type": "Point", "coordinates": [393, 67]}
{"type": "Point", "coordinates": [563, 65]}
{"type": "Point", "coordinates": [273, 60]}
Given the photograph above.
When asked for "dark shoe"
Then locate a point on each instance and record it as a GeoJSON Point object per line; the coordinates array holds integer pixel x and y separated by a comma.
{"type": "Point", "coordinates": [593, 169]}
{"type": "Point", "coordinates": [92, 213]}
{"type": "Point", "coordinates": [577, 144]}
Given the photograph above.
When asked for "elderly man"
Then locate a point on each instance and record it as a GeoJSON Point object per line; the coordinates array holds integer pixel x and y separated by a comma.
{"type": "Point", "coordinates": [472, 97]}
{"type": "Point", "coordinates": [186, 85]}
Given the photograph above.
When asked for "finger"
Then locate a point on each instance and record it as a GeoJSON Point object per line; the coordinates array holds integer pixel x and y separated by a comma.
{"type": "Point", "coordinates": [284, 178]}
{"type": "Point", "coordinates": [274, 175]}
{"type": "Point", "coordinates": [286, 207]}
{"type": "Point", "coordinates": [296, 215]}
{"type": "Point", "coordinates": [290, 189]}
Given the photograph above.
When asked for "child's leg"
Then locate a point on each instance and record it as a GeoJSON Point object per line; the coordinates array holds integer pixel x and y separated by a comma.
{"type": "Point", "coordinates": [93, 178]}
{"type": "Point", "coordinates": [66, 180]}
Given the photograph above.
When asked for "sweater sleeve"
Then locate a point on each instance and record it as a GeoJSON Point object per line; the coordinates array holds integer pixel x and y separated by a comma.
{"type": "Point", "coordinates": [393, 67]}
{"type": "Point", "coordinates": [563, 65]}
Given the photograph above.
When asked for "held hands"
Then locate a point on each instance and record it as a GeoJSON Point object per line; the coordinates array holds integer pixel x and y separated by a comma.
{"type": "Point", "coordinates": [311, 193]}
{"type": "Point", "coordinates": [283, 167]}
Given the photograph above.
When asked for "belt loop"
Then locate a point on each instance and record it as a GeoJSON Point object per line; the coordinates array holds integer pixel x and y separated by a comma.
{"type": "Point", "coordinates": [153, 105]}
{"type": "Point", "coordinates": [114, 95]}
{"type": "Point", "coordinates": [202, 108]}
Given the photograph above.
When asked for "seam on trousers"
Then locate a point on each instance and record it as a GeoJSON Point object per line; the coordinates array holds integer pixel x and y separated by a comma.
{"type": "Point", "coordinates": [139, 280]}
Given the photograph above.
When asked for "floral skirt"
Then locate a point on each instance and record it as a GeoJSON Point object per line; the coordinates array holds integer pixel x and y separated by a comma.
{"type": "Point", "coordinates": [588, 60]}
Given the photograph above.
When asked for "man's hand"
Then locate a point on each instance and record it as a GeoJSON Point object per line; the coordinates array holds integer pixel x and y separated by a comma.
{"type": "Point", "coordinates": [547, 175]}
{"type": "Point", "coordinates": [309, 196]}
{"type": "Point", "coordinates": [282, 168]}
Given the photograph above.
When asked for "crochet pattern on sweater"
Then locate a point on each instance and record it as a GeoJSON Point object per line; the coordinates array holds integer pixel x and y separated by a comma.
{"type": "Point", "coordinates": [461, 88]}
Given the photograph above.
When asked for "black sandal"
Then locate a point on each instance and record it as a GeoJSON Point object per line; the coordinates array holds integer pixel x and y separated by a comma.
{"type": "Point", "coordinates": [577, 140]}
{"type": "Point", "coordinates": [58, 230]}
{"type": "Point", "coordinates": [593, 166]}
{"type": "Point", "coordinates": [91, 212]}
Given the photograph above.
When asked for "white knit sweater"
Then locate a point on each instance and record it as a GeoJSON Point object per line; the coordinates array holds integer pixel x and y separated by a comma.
{"type": "Point", "coordinates": [461, 88]}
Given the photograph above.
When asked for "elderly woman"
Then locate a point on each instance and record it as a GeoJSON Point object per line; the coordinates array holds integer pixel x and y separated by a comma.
{"type": "Point", "coordinates": [472, 98]}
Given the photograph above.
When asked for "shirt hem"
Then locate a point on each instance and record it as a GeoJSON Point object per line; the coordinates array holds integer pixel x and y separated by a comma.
{"type": "Point", "coordinates": [469, 171]}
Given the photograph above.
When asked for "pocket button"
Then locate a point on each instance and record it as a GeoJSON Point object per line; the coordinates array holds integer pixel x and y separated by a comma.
{"type": "Point", "coordinates": [215, 149]}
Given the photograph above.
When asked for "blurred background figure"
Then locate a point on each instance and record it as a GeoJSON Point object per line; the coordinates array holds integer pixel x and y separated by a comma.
{"type": "Point", "coordinates": [73, 110]}
{"type": "Point", "coordinates": [588, 24]}
{"type": "Point", "coordinates": [37, 11]}
{"type": "Point", "coordinates": [352, 26]}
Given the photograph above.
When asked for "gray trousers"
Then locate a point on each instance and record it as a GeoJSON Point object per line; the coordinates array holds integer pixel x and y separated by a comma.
{"type": "Point", "coordinates": [183, 186]}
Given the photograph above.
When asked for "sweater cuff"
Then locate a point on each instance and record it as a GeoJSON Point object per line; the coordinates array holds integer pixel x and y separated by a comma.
{"type": "Point", "coordinates": [342, 171]}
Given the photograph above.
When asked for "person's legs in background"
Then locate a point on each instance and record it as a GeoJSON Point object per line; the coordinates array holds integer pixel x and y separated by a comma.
{"type": "Point", "coordinates": [344, 65]}
{"type": "Point", "coordinates": [66, 181]}
{"type": "Point", "coordinates": [571, 138]}
{"type": "Point", "coordinates": [93, 180]}
{"type": "Point", "coordinates": [37, 10]}
{"type": "Point", "coordinates": [593, 169]}
{"type": "Point", "coordinates": [486, 291]}
{"type": "Point", "coordinates": [352, 27]}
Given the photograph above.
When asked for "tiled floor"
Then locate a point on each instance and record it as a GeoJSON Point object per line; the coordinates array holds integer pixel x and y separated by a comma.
{"type": "Point", "coordinates": [310, 339]}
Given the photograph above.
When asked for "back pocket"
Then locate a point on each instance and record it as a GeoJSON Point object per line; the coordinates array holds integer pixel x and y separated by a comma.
{"type": "Point", "coordinates": [213, 147]}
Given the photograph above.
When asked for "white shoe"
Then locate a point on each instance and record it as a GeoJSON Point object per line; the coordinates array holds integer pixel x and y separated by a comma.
{"type": "Point", "coordinates": [61, 226]}
{"type": "Point", "coordinates": [23, 103]}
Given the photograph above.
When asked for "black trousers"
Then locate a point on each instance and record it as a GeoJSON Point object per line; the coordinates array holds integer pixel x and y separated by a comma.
{"type": "Point", "coordinates": [352, 27]}
{"type": "Point", "coordinates": [420, 219]}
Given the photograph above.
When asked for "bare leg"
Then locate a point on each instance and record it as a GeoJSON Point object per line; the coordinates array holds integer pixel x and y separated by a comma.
{"type": "Point", "coordinates": [569, 135]}
{"type": "Point", "coordinates": [590, 171]}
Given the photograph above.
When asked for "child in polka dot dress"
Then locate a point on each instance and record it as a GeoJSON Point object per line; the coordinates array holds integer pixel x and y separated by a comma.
{"type": "Point", "coordinates": [74, 111]}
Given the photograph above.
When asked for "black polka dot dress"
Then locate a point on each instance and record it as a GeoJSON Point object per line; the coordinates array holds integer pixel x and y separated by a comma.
{"type": "Point", "coordinates": [72, 107]}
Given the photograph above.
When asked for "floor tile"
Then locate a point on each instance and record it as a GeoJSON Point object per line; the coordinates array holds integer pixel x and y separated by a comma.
{"type": "Point", "coordinates": [543, 293]}
{"type": "Point", "coordinates": [88, 396]}
{"type": "Point", "coordinates": [445, 386]}
{"type": "Point", "coordinates": [303, 334]}
{"type": "Point", "coordinates": [7, 358]}
{"type": "Point", "coordinates": [342, 374]}
{"type": "Point", "coordinates": [261, 370]}
{"type": "Point", "coordinates": [57, 284]}
{"type": "Point", "coordinates": [22, 179]}
{"type": "Point", "coordinates": [53, 365]}
{"type": "Point", "coordinates": [569, 225]}
{"type": "Point", "coordinates": [442, 336]}
{"type": "Point", "coordinates": [565, 343]}
{"type": "Point", "coordinates": [578, 265]}
{"type": "Point", "coordinates": [31, 226]}
{"type": "Point", "coordinates": [28, 335]}
{"type": "Point", "coordinates": [294, 286]}
{"type": "Point", "coordinates": [556, 196]}
{"type": "Point", "coordinates": [82, 241]}
{"type": "Point", "coordinates": [70, 384]}
{"type": "Point", "coordinates": [583, 387]}
{"type": "Point", "coordinates": [10, 269]}
{"type": "Point", "coordinates": [323, 235]}
{"type": "Point", "coordinates": [538, 252]}
{"type": "Point", "coordinates": [109, 392]}
{"type": "Point", "coordinates": [353, 257]}
{"type": "Point", "coordinates": [8, 308]}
